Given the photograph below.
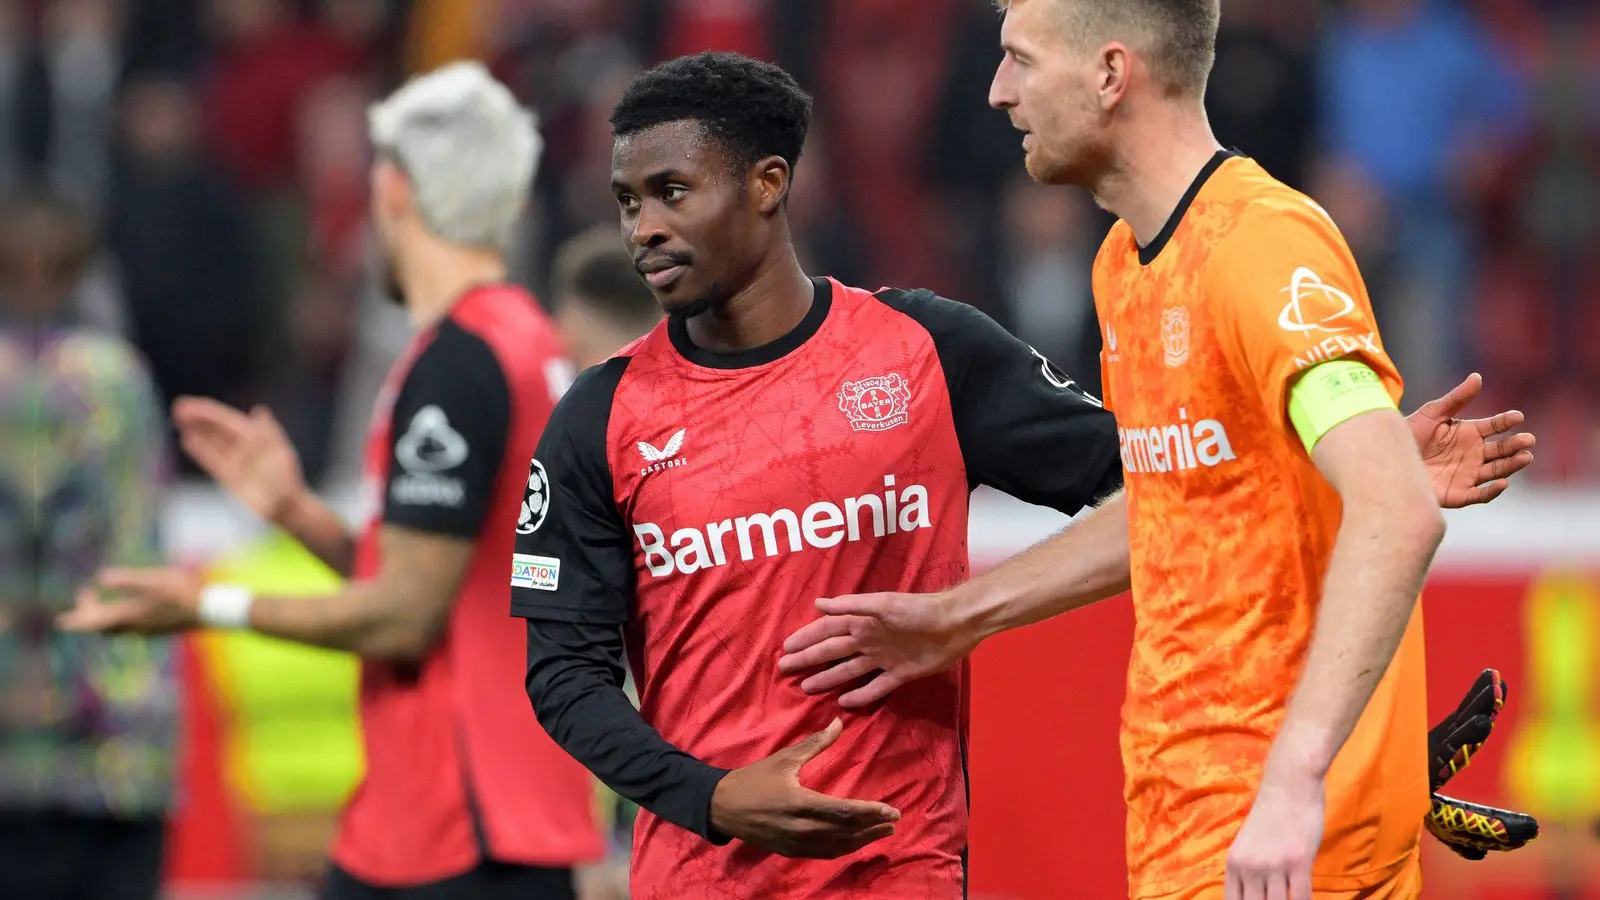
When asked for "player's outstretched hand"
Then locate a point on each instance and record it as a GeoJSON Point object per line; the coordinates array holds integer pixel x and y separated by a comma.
{"type": "Point", "coordinates": [1454, 741]}
{"type": "Point", "coordinates": [764, 804]}
{"type": "Point", "coordinates": [1271, 858]}
{"type": "Point", "coordinates": [1467, 463]}
{"type": "Point", "coordinates": [143, 601]}
{"type": "Point", "coordinates": [902, 637]}
{"type": "Point", "coordinates": [247, 453]}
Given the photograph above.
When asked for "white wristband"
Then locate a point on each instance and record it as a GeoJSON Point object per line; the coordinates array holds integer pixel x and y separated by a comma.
{"type": "Point", "coordinates": [225, 606]}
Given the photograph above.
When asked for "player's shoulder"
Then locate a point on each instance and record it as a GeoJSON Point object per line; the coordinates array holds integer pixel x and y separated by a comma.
{"type": "Point", "coordinates": [506, 315]}
{"type": "Point", "coordinates": [592, 394]}
{"type": "Point", "coordinates": [1260, 208]}
{"type": "Point", "coordinates": [941, 316]}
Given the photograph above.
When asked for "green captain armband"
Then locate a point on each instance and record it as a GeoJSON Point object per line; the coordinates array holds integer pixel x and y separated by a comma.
{"type": "Point", "coordinates": [1332, 392]}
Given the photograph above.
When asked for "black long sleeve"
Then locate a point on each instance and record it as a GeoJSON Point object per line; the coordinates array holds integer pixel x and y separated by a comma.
{"type": "Point", "coordinates": [575, 678]}
{"type": "Point", "coordinates": [573, 580]}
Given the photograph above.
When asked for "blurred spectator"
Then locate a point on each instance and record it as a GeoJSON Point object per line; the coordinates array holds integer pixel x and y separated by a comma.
{"type": "Point", "coordinates": [1262, 99]}
{"type": "Point", "coordinates": [1048, 251]}
{"type": "Point", "coordinates": [267, 60]}
{"type": "Point", "coordinates": [601, 304]}
{"type": "Point", "coordinates": [182, 240]}
{"type": "Point", "coordinates": [878, 97]}
{"type": "Point", "coordinates": [58, 69]}
{"type": "Point", "coordinates": [54, 272]}
{"type": "Point", "coordinates": [87, 723]}
{"type": "Point", "coordinates": [1416, 97]}
{"type": "Point", "coordinates": [330, 268]}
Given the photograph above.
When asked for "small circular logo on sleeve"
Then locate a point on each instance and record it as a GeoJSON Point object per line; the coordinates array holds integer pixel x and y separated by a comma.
{"type": "Point", "coordinates": [535, 501]}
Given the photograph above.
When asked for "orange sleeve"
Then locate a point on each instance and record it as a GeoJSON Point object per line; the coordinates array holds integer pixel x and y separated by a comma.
{"type": "Point", "coordinates": [1288, 295]}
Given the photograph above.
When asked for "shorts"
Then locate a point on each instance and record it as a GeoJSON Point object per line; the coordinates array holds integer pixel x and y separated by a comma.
{"type": "Point", "coordinates": [1405, 884]}
{"type": "Point", "coordinates": [489, 881]}
{"type": "Point", "coordinates": [63, 856]}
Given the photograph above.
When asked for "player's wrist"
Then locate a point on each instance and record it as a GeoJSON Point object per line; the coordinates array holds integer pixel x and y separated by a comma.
{"type": "Point", "coordinates": [1299, 757]}
{"type": "Point", "coordinates": [225, 606]}
{"type": "Point", "coordinates": [293, 510]}
{"type": "Point", "coordinates": [975, 614]}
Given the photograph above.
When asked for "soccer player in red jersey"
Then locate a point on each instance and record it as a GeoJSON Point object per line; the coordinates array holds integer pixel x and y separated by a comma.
{"type": "Point", "coordinates": [464, 796]}
{"type": "Point", "coordinates": [779, 437]}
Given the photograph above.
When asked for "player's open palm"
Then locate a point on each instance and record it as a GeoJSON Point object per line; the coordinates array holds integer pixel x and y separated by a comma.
{"type": "Point", "coordinates": [247, 453]}
{"type": "Point", "coordinates": [765, 805]}
{"type": "Point", "coordinates": [1271, 858]}
{"type": "Point", "coordinates": [901, 637]}
{"type": "Point", "coordinates": [1466, 461]}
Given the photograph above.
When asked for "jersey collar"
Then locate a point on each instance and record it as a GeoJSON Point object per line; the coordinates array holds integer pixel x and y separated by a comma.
{"type": "Point", "coordinates": [822, 299]}
{"type": "Point", "coordinates": [1149, 252]}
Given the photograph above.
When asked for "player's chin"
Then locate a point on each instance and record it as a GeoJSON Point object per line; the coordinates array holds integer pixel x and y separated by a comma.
{"type": "Point", "coordinates": [683, 304]}
{"type": "Point", "coordinates": [1047, 169]}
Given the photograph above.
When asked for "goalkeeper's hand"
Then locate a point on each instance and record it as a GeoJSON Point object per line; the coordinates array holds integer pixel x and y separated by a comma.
{"type": "Point", "coordinates": [1471, 831]}
{"type": "Point", "coordinates": [1452, 743]}
{"type": "Point", "coordinates": [1468, 829]}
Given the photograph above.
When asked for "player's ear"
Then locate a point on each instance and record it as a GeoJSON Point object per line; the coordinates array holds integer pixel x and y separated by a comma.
{"type": "Point", "coordinates": [771, 184]}
{"type": "Point", "coordinates": [1112, 74]}
{"type": "Point", "coordinates": [391, 189]}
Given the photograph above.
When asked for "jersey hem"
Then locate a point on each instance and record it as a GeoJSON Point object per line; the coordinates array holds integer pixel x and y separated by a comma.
{"type": "Point", "coordinates": [360, 872]}
{"type": "Point", "coordinates": [1344, 881]}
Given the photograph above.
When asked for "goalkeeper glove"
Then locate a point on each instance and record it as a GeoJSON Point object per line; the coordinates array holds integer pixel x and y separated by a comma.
{"type": "Point", "coordinates": [1471, 831]}
{"type": "Point", "coordinates": [1468, 829]}
{"type": "Point", "coordinates": [1452, 743]}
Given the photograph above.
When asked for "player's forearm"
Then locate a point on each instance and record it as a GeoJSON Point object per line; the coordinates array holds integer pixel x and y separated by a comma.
{"type": "Point", "coordinates": [308, 520]}
{"type": "Point", "coordinates": [356, 620]}
{"type": "Point", "coordinates": [1085, 563]}
{"type": "Point", "coordinates": [1375, 575]}
{"type": "Point", "coordinates": [576, 690]}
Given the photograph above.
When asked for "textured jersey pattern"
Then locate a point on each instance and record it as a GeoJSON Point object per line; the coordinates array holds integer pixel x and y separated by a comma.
{"type": "Point", "coordinates": [1232, 529]}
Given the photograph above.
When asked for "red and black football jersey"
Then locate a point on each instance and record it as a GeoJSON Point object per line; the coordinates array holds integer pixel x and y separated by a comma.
{"type": "Point", "coordinates": [456, 770]}
{"type": "Point", "coordinates": [691, 506]}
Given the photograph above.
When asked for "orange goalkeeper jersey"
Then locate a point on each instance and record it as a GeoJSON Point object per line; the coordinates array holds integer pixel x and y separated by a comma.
{"type": "Point", "coordinates": [1233, 527]}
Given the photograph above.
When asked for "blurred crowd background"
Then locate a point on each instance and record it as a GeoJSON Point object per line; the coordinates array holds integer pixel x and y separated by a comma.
{"type": "Point", "coordinates": [191, 175]}
{"type": "Point", "coordinates": [211, 157]}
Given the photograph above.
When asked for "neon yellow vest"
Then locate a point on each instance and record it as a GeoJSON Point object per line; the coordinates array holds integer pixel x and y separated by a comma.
{"type": "Point", "coordinates": [291, 734]}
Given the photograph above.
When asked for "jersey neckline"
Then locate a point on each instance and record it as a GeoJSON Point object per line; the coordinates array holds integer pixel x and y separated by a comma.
{"type": "Point", "coordinates": [1149, 252]}
{"type": "Point", "coordinates": [821, 301]}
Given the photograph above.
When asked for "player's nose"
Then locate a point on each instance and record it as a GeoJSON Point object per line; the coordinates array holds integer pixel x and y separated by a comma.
{"type": "Point", "coordinates": [1002, 91]}
{"type": "Point", "coordinates": [649, 230]}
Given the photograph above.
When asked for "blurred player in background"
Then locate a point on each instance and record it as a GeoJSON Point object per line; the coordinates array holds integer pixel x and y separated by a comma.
{"type": "Point", "coordinates": [88, 723]}
{"type": "Point", "coordinates": [1281, 520]}
{"type": "Point", "coordinates": [601, 305]}
{"type": "Point", "coordinates": [463, 796]}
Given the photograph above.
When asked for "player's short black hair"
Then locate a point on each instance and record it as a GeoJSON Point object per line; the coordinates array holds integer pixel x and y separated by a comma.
{"type": "Point", "coordinates": [754, 108]}
{"type": "Point", "coordinates": [593, 269]}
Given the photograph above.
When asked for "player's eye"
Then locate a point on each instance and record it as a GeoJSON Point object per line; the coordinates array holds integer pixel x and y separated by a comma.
{"type": "Point", "coordinates": [628, 202]}
{"type": "Point", "coordinates": [674, 193]}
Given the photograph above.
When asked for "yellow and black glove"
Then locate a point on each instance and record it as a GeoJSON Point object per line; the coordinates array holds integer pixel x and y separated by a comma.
{"type": "Point", "coordinates": [1468, 829]}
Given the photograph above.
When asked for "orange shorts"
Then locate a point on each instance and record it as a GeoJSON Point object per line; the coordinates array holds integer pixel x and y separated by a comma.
{"type": "Point", "coordinates": [1405, 884]}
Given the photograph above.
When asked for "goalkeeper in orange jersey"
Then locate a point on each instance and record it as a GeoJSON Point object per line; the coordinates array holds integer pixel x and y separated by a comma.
{"type": "Point", "coordinates": [1277, 521]}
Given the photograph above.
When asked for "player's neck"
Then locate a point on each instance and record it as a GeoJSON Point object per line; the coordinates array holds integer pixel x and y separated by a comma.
{"type": "Point", "coordinates": [771, 306]}
{"type": "Point", "coordinates": [434, 276]}
{"type": "Point", "coordinates": [1152, 175]}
